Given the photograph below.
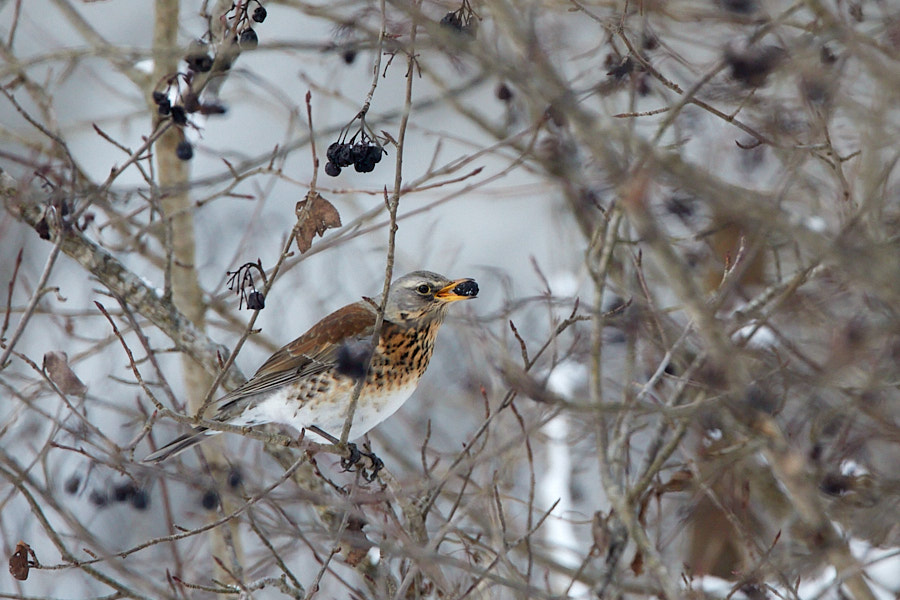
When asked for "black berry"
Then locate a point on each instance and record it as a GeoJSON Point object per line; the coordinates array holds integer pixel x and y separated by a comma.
{"type": "Point", "coordinates": [259, 15]}
{"type": "Point", "coordinates": [158, 97]}
{"type": "Point", "coordinates": [332, 169]}
{"type": "Point", "coordinates": [123, 492]}
{"type": "Point", "coordinates": [184, 150]}
{"type": "Point", "coordinates": [256, 300]}
{"type": "Point", "coordinates": [331, 153]}
{"type": "Point", "coordinates": [210, 499]}
{"type": "Point", "coordinates": [249, 39]}
{"type": "Point", "coordinates": [364, 166]}
{"type": "Point", "coordinates": [72, 483]}
{"type": "Point", "coordinates": [622, 69]}
{"type": "Point", "coordinates": [43, 229]}
{"type": "Point", "coordinates": [452, 21]}
{"type": "Point", "coordinates": [179, 116]}
{"type": "Point", "coordinates": [234, 477]}
{"type": "Point", "coordinates": [164, 107]}
{"type": "Point", "coordinates": [359, 152]}
{"type": "Point", "coordinates": [199, 62]}
{"type": "Point", "coordinates": [344, 155]}
{"type": "Point", "coordinates": [466, 288]}
{"type": "Point", "coordinates": [140, 500]}
{"type": "Point", "coordinates": [98, 498]}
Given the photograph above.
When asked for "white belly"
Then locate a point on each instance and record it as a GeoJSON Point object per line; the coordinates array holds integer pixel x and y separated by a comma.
{"type": "Point", "coordinates": [328, 416]}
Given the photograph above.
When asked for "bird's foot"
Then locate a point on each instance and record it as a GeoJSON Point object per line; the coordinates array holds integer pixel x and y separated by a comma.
{"type": "Point", "coordinates": [355, 456]}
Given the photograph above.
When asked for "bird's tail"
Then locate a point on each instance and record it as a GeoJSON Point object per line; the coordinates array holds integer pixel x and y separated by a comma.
{"type": "Point", "coordinates": [179, 445]}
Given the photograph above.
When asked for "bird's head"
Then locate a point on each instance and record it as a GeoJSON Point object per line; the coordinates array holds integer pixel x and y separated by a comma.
{"type": "Point", "coordinates": [423, 295]}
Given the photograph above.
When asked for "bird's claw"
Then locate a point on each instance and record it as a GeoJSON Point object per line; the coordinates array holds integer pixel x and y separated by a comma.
{"type": "Point", "coordinates": [354, 455]}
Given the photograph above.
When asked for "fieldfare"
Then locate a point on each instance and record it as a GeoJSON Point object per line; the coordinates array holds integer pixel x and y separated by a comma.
{"type": "Point", "coordinates": [308, 383]}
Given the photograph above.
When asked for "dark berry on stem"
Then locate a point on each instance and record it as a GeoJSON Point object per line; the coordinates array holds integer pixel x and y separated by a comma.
{"type": "Point", "coordinates": [158, 97]}
{"type": "Point", "coordinates": [123, 492]}
{"type": "Point", "coordinates": [256, 300]}
{"type": "Point", "coordinates": [452, 20]}
{"type": "Point", "coordinates": [622, 69]}
{"type": "Point", "coordinates": [364, 166]}
{"type": "Point", "coordinates": [200, 62]}
{"type": "Point", "coordinates": [179, 116]}
{"type": "Point", "coordinates": [249, 38]}
{"type": "Point", "coordinates": [359, 152]}
{"type": "Point", "coordinates": [72, 483]}
{"type": "Point", "coordinates": [210, 499]}
{"type": "Point", "coordinates": [164, 107]}
{"type": "Point", "coordinates": [98, 498]}
{"type": "Point", "coordinates": [259, 15]}
{"type": "Point", "coordinates": [332, 151]}
{"type": "Point", "coordinates": [344, 156]}
{"type": "Point", "coordinates": [332, 169]}
{"type": "Point", "coordinates": [184, 150]}
{"type": "Point", "coordinates": [234, 477]}
{"type": "Point", "coordinates": [140, 500]}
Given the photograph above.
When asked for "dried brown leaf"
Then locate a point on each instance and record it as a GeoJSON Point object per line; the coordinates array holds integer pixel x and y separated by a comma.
{"type": "Point", "coordinates": [19, 563]}
{"type": "Point", "coordinates": [354, 542]}
{"type": "Point", "coordinates": [600, 532]}
{"type": "Point", "coordinates": [314, 219]}
{"type": "Point", "coordinates": [680, 481]}
{"type": "Point", "coordinates": [637, 563]}
{"type": "Point", "coordinates": [56, 366]}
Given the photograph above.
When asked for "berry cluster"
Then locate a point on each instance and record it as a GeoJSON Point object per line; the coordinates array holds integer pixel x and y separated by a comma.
{"type": "Point", "coordinates": [182, 92]}
{"type": "Point", "coordinates": [363, 155]}
{"type": "Point", "coordinates": [178, 113]}
{"type": "Point", "coordinates": [101, 497]}
{"type": "Point", "coordinates": [198, 58]}
{"type": "Point", "coordinates": [242, 279]}
{"type": "Point", "coordinates": [462, 20]}
{"type": "Point", "coordinates": [247, 38]}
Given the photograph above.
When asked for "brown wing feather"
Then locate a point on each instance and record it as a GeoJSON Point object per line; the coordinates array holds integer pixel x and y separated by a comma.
{"type": "Point", "coordinates": [312, 352]}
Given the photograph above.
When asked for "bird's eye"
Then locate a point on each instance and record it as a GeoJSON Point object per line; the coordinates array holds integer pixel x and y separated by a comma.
{"type": "Point", "coordinates": [423, 289]}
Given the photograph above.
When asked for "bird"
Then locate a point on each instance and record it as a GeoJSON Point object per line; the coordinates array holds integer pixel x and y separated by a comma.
{"type": "Point", "coordinates": [309, 382]}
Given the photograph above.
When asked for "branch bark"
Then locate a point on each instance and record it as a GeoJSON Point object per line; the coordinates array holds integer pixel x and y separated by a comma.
{"type": "Point", "coordinates": [144, 300]}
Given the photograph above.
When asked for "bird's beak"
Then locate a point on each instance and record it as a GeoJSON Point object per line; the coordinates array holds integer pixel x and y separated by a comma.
{"type": "Point", "coordinates": [461, 289]}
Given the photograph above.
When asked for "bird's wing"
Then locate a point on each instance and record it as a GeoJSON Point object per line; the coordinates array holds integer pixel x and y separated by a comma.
{"type": "Point", "coordinates": [313, 352]}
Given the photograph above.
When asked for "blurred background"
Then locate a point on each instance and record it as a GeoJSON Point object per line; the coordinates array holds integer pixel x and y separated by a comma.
{"type": "Point", "coordinates": [679, 378]}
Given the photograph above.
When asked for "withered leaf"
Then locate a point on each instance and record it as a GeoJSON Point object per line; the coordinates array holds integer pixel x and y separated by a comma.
{"type": "Point", "coordinates": [19, 563]}
{"type": "Point", "coordinates": [56, 366]}
{"type": "Point", "coordinates": [680, 481]}
{"type": "Point", "coordinates": [600, 532]}
{"type": "Point", "coordinates": [314, 219]}
{"type": "Point", "coordinates": [637, 563]}
{"type": "Point", "coordinates": [354, 542]}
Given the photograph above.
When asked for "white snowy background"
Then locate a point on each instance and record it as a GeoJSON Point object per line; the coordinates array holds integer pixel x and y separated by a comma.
{"type": "Point", "coordinates": [513, 232]}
